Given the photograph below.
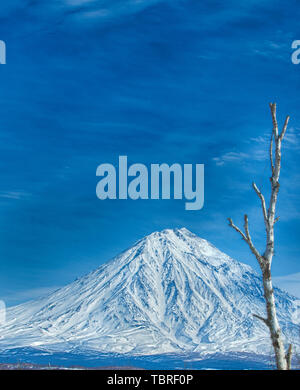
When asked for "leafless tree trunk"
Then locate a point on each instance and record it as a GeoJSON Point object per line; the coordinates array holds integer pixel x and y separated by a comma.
{"type": "Point", "coordinates": [283, 360]}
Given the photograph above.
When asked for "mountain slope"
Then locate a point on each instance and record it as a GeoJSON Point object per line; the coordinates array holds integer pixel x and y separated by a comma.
{"type": "Point", "coordinates": [172, 291]}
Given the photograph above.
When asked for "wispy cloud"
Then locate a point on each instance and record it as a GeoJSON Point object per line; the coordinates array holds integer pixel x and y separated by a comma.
{"type": "Point", "coordinates": [257, 154]}
{"type": "Point", "coordinates": [14, 195]}
{"type": "Point", "coordinates": [17, 297]}
{"type": "Point", "coordinates": [289, 283]}
{"type": "Point", "coordinates": [79, 10]}
{"type": "Point", "coordinates": [292, 138]}
{"type": "Point", "coordinates": [83, 11]}
{"type": "Point", "coordinates": [273, 49]}
{"type": "Point", "coordinates": [230, 157]}
{"type": "Point", "coordinates": [259, 148]}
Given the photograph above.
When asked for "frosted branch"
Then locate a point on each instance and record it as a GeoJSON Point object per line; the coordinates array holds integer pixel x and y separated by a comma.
{"type": "Point", "coordinates": [284, 128]}
{"type": "Point", "coordinates": [274, 120]}
{"type": "Point", "coordinates": [263, 204]}
{"type": "Point", "coordinates": [264, 320]}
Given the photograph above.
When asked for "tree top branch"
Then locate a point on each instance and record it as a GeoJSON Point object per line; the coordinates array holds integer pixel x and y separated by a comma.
{"type": "Point", "coordinates": [274, 120]}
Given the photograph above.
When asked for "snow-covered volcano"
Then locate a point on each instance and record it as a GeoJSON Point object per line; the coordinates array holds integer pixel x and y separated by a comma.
{"type": "Point", "coordinates": [171, 292]}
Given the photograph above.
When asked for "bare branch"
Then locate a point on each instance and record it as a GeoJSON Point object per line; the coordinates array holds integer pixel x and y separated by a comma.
{"type": "Point", "coordinates": [246, 237]}
{"type": "Point", "coordinates": [264, 320]}
{"type": "Point", "coordinates": [284, 128]}
{"type": "Point", "coordinates": [231, 224]}
{"type": "Point", "coordinates": [271, 153]}
{"type": "Point", "coordinates": [274, 120]}
{"type": "Point", "coordinates": [263, 204]}
{"type": "Point", "coordinates": [250, 243]}
{"type": "Point", "coordinates": [276, 220]}
{"type": "Point", "coordinates": [246, 227]}
{"type": "Point", "coordinates": [276, 169]}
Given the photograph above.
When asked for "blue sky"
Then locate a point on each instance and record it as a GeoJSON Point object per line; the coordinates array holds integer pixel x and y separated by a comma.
{"type": "Point", "coordinates": [159, 81]}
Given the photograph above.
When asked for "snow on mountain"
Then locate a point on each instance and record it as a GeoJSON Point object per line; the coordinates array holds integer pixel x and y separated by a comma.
{"type": "Point", "coordinates": [171, 292]}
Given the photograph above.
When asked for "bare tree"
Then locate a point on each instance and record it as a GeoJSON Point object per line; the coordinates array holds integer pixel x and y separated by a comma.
{"type": "Point", "coordinates": [283, 359]}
